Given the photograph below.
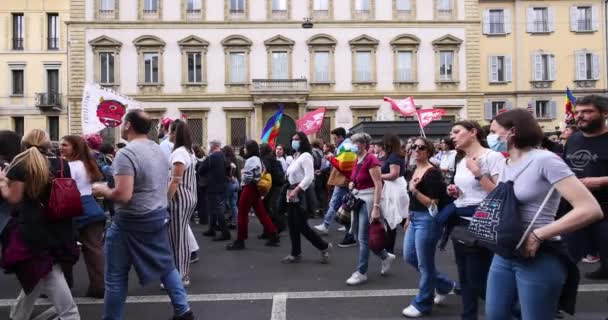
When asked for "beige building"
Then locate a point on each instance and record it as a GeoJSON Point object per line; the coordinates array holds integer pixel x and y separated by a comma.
{"type": "Point", "coordinates": [532, 50]}
{"type": "Point", "coordinates": [33, 65]}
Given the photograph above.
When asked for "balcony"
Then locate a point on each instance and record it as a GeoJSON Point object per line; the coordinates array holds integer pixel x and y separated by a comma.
{"type": "Point", "coordinates": [107, 14]}
{"type": "Point", "coordinates": [194, 14]}
{"type": "Point", "coordinates": [17, 43]}
{"type": "Point", "coordinates": [151, 14]}
{"type": "Point", "coordinates": [50, 101]}
{"type": "Point", "coordinates": [237, 14]}
{"type": "Point", "coordinates": [320, 14]}
{"type": "Point", "coordinates": [280, 14]}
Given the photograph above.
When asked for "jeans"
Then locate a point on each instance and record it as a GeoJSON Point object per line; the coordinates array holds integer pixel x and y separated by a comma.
{"type": "Point", "coordinates": [536, 283]}
{"type": "Point", "coordinates": [363, 238]}
{"type": "Point", "coordinates": [419, 246]}
{"type": "Point", "coordinates": [232, 189]}
{"type": "Point", "coordinates": [297, 220]}
{"type": "Point", "coordinates": [585, 240]}
{"type": "Point", "coordinates": [117, 278]}
{"type": "Point", "coordinates": [334, 204]}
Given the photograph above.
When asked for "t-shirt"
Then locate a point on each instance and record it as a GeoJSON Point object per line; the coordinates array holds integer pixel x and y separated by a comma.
{"type": "Point", "coordinates": [364, 178]}
{"type": "Point", "coordinates": [393, 158]}
{"type": "Point", "coordinates": [143, 160]}
{"type": "Point", "coordinates": [167, 147]}
{"type": "Point", "coordinates": [588, 157]}
{"type": "Point", "coordinates": [181, 155]}
{"type": "Point", "coordinates": [80, 175]}
{"type": "Point", "coordinates": [431, 185]}
{"type": "Point", "coordinates": [543, 170]}
{"type": "Point", "coordinates": [491, 163]}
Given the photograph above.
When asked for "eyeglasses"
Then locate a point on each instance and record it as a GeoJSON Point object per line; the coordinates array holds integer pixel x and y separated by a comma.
{"type": "Point", "coordinates": [418, 147]}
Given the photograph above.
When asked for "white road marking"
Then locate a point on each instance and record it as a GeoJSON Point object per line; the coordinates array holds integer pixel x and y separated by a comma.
{"type": "Point", "coordinates": [270, 296]}
{"type": "Point", "coordinates": [279, 307]}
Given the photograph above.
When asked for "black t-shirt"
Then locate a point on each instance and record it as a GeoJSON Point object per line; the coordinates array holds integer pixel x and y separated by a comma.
{"type": "Point", "coordinates": [393, 158]}
{"type": "Point", "coordinates": [431, 185]}
{"type": "Point", "coordinates": [588, 157]}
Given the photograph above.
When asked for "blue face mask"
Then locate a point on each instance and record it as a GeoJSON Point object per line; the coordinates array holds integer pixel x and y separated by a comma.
{"type": "Point", "coordinates": [295, 145]}
{"type": "Point", "coordinates": [496, 144]}
{"type": "Point", "coordinates": [354, 149]}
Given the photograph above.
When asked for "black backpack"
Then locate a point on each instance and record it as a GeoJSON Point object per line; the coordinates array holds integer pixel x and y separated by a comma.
{"type": "Point", "coordinates": [317, 156]}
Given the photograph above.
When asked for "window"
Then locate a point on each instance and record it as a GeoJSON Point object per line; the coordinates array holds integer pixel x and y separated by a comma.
{"type": "Point", "coordinates": [279, 65]}
{"type": "Point", "coordinates": [238, 132]}
{"type": "Point", "coordinates": [584, 19]}
{"type": "Point", "coordinates": [17, 77]}
{"type": "Point", "coordinates": [499, 69]}
{"type": "Point", "coordinates": [195, 67]}
{"type": "Point", "coordinates": [320, 5]}
{"type": "Point", "coordinates": [587, 65]}
{"type": "Point", "coordinates": [404, 66]}
{"type": "Point", "coordinates": [403, 5]}
{"type": "Point", "coordinates": [52, 82]}
{"type": "Point", "coordinates": [446, 62]}
{"type": "Point", "coordinates": [363, 65]}
{"type": "Point", "coordinates": [237, 6]}
{"type": "Point", "coordinates": [151, 67]}
{"type": "Point", "coordinates": [53, 31]}
{"type": "Point", "coordinates": [444, 6]}
{"type": "Point", "coordinates": [497, 21]}
{"type": "Point", "coordinates": [237, 67]}
{"type": "Point", "coordinates": [106, 6]}
{"type": "Point", "coordinates": [194, 6]}
{"type": "Point", "coordinates": [279, 5]}
{"type": "Point", "coordinates": [106, 65]}
{"type": "Point", "coordinates": [18, 31]}
{"type": "Point", "coordinates": [53, 127]}
{"type": "Point", "coordinates": [542, 109]}
{"type": "Point", "coordinates": [321, 66]}
{"type": "Point", "coordinates": [362, 5]}
{"type": "Point", "coordinates": [497, 108]}
{"type": "Point", "coordinates": [544, 67]}
{"type": "Point", "coordinates": [18, 125]}
{"type": "Point", "coordinates": [150, 6]}
{"type": "Point", "coordinates": [540, 20]}
{"type": "Point", "coordinates": [106, 9]}
{"type": "Point", "coordinates": [364, 119]}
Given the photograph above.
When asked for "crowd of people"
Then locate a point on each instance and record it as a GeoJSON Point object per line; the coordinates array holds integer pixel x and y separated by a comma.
{"type": "Point", "coordinates": [138, 202]}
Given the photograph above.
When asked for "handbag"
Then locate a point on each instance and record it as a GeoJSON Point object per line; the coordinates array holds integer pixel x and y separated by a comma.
{"type": "Point", "coordinates": [461, 235]}
{"type": "Point", "coordinates": [377, 236]}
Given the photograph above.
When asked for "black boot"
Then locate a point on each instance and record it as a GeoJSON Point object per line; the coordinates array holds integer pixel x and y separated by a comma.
{"type": "Point", "coordinates": [273, 240]}
{"type": "Point", "coordinates": [224, 236]}
{"type": "Point", "coordinates": [236, 245]}
{"type": "Point", "coordinates": [186, 316]}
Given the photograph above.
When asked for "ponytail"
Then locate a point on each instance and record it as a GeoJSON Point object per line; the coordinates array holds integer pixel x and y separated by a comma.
{"type": "Point", "coordinates": [36, 168]}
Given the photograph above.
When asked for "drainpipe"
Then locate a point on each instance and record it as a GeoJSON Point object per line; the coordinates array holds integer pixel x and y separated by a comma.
{"type": "Point", "coordinates": [68, 77]}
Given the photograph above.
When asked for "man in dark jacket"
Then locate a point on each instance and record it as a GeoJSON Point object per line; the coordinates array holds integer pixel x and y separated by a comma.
{"type": "Point", "coordinates": [214, 168]}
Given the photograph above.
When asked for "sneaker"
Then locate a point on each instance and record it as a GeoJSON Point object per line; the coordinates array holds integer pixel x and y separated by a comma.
{"type": "Point", "coordinates": [386, 263]}
{"type": "Point", "coordinates": [591, 259]}
{"type": "Point", "coordinates": [325, 254]}
{"type": "Point", "coordinates": [291, 259]}
{"type": "Point", "coordinates": [186, 282]}
{"type": "Point", "coordinates": [322, 229]}
{"type": "Point", "coordinates": [411, 312]}
{"type": "Point", "coordinates": [349, 241]}
{"type": "Point", "coordinates": [356, 278]}
{"type": "Point", "coordinates": [342, 229]}
{"type": "Point", "coordinates": [598, 274]}
{"type": "Point", "coordinates": [440, 298]}
{"type": "Point", "coordinates": [186, 316]}
{"type": "Point", "coordinates": [236, 245]}
{"type": "Point", "coordinates": [194, 257]}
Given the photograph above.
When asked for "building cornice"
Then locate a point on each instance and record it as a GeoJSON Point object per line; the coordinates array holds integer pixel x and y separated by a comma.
{"type": "Point", "coordinates": [270, 24]}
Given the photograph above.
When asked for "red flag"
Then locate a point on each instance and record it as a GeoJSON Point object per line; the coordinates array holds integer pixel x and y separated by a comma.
{"type": "Point", "coordinates": [311, 122]}
{"type": "Point", "coordinates": [406, 107]}
{"type": "Point", "coordinates": [427, 116]}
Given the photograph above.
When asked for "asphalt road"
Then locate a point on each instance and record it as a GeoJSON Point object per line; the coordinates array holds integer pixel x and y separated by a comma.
{"type": "Point", "coordinates": [253, 284]}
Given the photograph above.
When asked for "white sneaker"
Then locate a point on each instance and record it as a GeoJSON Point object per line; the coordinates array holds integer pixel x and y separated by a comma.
{"type": "Point", "coordinates": [386, 263]}
{"type": "Point", "coordinates": [322, 229]}
{"type": "Point", "coordinates": [342, 229]}
{"type": "Point", "coordinates": [411, 312]}
{"type": "Point", "coordinates": [440, 298]}
{"type": "Point", "coordinates": [356, 278]}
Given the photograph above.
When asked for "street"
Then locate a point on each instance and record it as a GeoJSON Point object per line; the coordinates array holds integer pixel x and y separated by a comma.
{"type": "Point", "coordinates": [253, 284]}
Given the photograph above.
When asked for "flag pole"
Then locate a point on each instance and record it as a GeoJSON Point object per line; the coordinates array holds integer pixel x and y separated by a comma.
{"type": "Point", "coordinates": [420, 124]}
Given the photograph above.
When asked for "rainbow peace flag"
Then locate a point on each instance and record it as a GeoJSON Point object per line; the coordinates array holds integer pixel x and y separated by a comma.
{"type": "Point", "coordinates": [344, 161]}
{"type": "Point", "coordinates": [271, 130]}
{"type": "Point", "coordinates": [570, 102]}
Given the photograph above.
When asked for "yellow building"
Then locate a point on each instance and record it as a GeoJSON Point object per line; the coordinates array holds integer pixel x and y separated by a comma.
{"type": "Point", "coordinates": [33, 65]}
{"type": "Point", "coordinates": [532, 50]}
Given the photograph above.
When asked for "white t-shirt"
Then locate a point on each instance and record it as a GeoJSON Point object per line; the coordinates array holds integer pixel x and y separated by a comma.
{"type": "Point", "coordinates": [167, 147]}
{"type": "Point", "coordinates": [301, 171]}
{"type": "Point", "coordinates": [491, 163]}
{"type": "Point", "coordinates": [181, 155]}
{"type": "Point", "coordinates": [448, 160]}
{"type": "Point", "coordinates": [80, 175]}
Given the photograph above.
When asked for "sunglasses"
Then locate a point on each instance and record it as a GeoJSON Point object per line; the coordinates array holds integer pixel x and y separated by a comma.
{"type": "Point", "coordinates": [418, 147]}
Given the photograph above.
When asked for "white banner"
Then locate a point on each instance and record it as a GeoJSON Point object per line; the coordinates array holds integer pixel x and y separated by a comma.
{"type": "Point", "coordinates": [104, 108]}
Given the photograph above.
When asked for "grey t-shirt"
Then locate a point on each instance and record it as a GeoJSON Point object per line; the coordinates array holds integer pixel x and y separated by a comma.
{"type": "Point", "coordinates": [144, 160]}
{"type": "Point", "coordinates": [544, 169]}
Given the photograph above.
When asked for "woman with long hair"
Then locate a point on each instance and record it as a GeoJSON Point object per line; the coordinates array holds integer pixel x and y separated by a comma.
{"type": "Point", "coordinates": [426, 189]}
{"type": "Point", "coordinates": [232, 186]}
{"type": "Point", "coordinates": [283, 157]}
{"type": "Point", "coordinates": [448, 161]}
{"type": "Point", "coordinates": [537, 278]}
{"type": "Point", "coordinates": [91, 224]}
{"type": "Point", "coordinates": [34, 248]}
{"type": "Point", "coordinates": [250, 197]}
{"type": "Point", "coordinates": [182, 196]}
{"type": "Point", "coordinates": [300, 176]}
{"type": "Point", "coordinates": [271, 200]}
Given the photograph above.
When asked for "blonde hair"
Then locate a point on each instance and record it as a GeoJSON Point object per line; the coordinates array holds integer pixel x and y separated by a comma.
{"type": "Point", "coordinates": [34, 162]}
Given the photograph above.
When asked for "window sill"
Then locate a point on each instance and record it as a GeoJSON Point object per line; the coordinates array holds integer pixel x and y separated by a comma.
{"type": "Point", "coordinates": [109, 84]}
{"type": "Point", "coordinates": [195, 84]}
{"type": "Point", "coordinates": [322, 83]}
{"type": "Point", "coordinates": [20, 95]}
{"type": "Point", "coordinates": [585, 83]}
{"type": "Point", "coordinates": [447, 82]}
{"type": "Point", "coordinates": [236, 84]}
{"type": "Point", "coordinates": [584, 31]}
{"type": "Point", "coordinates": [412, 82]}
{"type": "Point", "coordinates": [159, 84]}
{"type": "Point", "coordinates": [543, 84]}
{"type": "Point", "coordinates": [498, 34]}
{"type": "Point", "coordinates": [499, 83]}
{"type": "Point", "coordinates": [373, 83]}
{"type": "Point", "coordinates": [540, 32]}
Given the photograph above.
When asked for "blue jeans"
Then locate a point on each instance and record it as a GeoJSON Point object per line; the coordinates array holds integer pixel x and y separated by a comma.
{"type": "Point", "coordinates": [419, 246]}
{"type": "Point", "coordinates": [363, 238]}
{"type": "Point", "coordinates": [334, 204]}
{"type": "Point", "coordinates": [117, 278]}
{"type": "Point", "coordinates": [232, 188]}
{"type": "Point", "coordinates": [536, 283]}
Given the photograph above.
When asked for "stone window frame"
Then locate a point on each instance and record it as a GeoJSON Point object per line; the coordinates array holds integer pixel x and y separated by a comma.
{"type": "Point", "coordinates": [154, 113]}
{"type": "Point", "coordinates": [238, 113]}
{"type": "Point", "coordinates": [230, 17]}
{"type": "Point", "coordinates": [364, 111]}
{"type": "Point", "coordinates": [447, 43]}
{"type": "Point", "coordinates": [363, 16]}
{"type": "Point", "coordinates": [99, 16]}
{"type": "Point", "coordinates": [149, 44]}
{"type": "Point", "coordinates": [201, 113]}
{"type": "Point", "coordinates": [279, 43]}
{"type": "Point", "coordinates": [276, 16]}
{"type": "Point", "coordinates": [193, 44]}
{"type": "Point", "coordinates": [322, 43]}
{"type": "Point", "coordinates": [316, 16]}
{"type": "Point", "coordinates": [105, 44]}
{"type": "Point", "coordinates": [21, 65]}
{"type": "Point", "coordinates": [438, 16]}
{"type": "Point", "coordinates": [143, 16]}
{"type": "Point", "coordinates": [186, 16]}
{"type": "Point", "coordinates": [237, 43]}
{"type": "Point", "coordinates": [405, 42]}
{"type": "Point", "coordinates": [404, 15]}
{"type": "Point", "coordinates": [363, 43]}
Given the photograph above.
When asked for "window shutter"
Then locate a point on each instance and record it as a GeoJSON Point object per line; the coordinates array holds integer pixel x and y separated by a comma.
{"type": "Point", "coordinates": [552, 68]}
{"type": "Point", "coordinates": [581, 64]}
{"type": "Point", "coordinates": [553, 109]}
{"type": "Point", "coordinates": [508, 105]}
{"type": "Point", "coordinates": [508, 69]}
{"type": "Point", "coordinates": [532, 103]}
{"type": "Point", "coordinates": [486, 22]}
{"type": "Point", "coordinates": [507, 17]}
{"type": "Point", "coordinates": [58, 35]}
{"type": "Point", "coordinates": [537, 71]}
{"type": "Point", "coordinates": [530, 20]}
{"type": "Point", "coordinates": [493, 69]}
{"type": "Point", "coordinates": [596, 66]}
{"type": "Point", "coordinates": [551, 14]}
{"type": "Point", "coordinates": [574, 18]}
{"type": "Point", "coordinates": [488, 111]}
{"type": "Point", "coordinates": [595, 21]}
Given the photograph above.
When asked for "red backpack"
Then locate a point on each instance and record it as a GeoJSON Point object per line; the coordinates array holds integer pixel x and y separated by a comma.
{"type": "Point", "coordinates": [64, 201]}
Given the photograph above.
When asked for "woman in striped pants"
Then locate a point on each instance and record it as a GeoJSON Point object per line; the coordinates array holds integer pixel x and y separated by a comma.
{"type": "Point", "coordinates": [182, 196]}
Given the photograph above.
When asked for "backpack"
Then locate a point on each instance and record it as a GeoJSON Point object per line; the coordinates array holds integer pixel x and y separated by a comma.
{"type": "Point", "coordinates": [317, 157]}
{"type": "Point", "coordinates": [265, 183]}
{"type": "Point", "coordinates": [64, 201]}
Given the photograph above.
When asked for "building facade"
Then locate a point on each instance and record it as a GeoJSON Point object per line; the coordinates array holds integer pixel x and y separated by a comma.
{"type": "Point", "coordinates": [33, 66]}
{"type": "Point", "coordinates": [227, 65]}
{"type": "Point", "coordinates": [531, 51]}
